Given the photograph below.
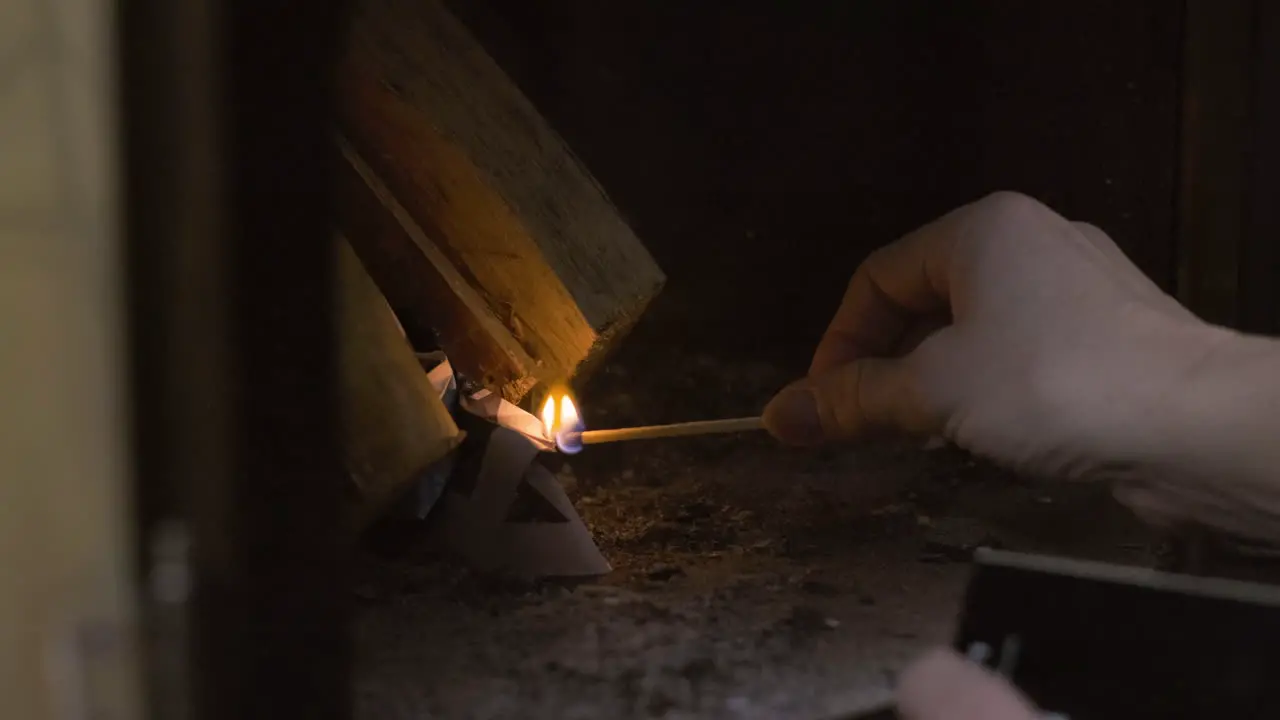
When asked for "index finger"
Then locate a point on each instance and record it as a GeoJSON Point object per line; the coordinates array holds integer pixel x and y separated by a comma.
{"type": "Point", "coordinates": [904, 280]}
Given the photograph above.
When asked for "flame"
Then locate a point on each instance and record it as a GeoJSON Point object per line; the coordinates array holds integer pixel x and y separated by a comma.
{"type": "Point", "coordinates": [549, 416]}
{"type": "Point", "coordinates": [568, 415]}
{"type": "Point", "coordinates": [561, 422]}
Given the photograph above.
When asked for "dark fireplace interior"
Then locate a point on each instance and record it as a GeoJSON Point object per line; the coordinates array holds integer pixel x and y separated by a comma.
{"type": "Point", "coordinates": [759, 153]}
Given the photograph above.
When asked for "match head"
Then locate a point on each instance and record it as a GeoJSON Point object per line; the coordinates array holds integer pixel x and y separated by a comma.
{"type": "Point", "coordinates": [569, 441]}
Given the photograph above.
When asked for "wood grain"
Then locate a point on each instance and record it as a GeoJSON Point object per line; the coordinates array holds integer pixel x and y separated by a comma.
{"type": "Point", "coordinates": [509, 205]}
{"type": "Point", "coordinates": [418, 278]}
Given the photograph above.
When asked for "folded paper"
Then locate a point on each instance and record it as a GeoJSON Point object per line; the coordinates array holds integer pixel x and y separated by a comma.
{"type": "Point", "coordinates": [495, 504]}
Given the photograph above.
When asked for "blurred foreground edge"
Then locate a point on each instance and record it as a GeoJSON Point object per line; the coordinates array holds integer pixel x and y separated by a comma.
{"type": "Point", "coordinates": [226, 120]}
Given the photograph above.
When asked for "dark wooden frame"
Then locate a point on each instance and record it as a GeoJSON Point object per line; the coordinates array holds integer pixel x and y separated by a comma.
{"type": "Point", "coordinates": [1228, 239]}
{"type": "Point", "coordinates": [225, 110]}
{"type": "Point", "coordinates": [1260, 251]}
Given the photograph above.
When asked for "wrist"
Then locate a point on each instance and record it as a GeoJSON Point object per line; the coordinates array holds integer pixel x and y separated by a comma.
{"type": "Point", "coordinates": [1205, 447]}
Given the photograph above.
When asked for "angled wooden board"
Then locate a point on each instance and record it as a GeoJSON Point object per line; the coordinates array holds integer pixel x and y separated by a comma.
{"type": "Point", "coordinates": [482, 173]}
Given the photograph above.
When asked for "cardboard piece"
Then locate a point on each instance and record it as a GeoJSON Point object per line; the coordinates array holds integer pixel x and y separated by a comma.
{"type": "Point", "coordinates": [495, 504]}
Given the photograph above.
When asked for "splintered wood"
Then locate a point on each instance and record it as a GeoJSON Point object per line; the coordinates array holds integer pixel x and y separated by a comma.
{"type": "Point", "coordinates": [477, 194]}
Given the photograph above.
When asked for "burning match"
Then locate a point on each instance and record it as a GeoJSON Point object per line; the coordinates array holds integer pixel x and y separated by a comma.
{"type": "Point", "coordinates": [562, 423]}
{"type": "Point", "coordinates": [699, 427]}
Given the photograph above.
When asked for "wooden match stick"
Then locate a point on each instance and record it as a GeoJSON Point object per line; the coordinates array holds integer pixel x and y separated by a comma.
{"type": "Point", "coordinates": [647, 432]}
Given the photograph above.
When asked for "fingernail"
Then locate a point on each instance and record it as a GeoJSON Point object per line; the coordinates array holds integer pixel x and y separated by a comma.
{"type": "Point", "coordinates": [792, 416]}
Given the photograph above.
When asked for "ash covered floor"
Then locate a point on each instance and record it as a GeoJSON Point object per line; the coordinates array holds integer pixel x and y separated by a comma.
{"type": "Point", "coordinates": [750, 581]}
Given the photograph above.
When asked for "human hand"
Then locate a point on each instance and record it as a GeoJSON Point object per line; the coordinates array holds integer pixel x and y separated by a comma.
{"type": "Point", "coordinates": [1006, 328]}
{"type": "Point", "coordinates": [945, 686]}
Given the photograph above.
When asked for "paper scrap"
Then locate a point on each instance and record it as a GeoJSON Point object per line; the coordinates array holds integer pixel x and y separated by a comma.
{"type": "Point", "coordinates": [492, 407]}
{"type": "Point", "coordinates": [483, 497]}
{"type": "Point", "coordinates": [477, 522]}
{"type": "Point", "coordinates": [431, 485]}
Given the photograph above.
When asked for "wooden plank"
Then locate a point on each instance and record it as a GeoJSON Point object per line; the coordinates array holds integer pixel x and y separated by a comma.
{"type": "Point", "coordinates": [418, 278]}
{"type": "Point", "coordinates": [394, 424]}
{"type": "Point", "coordinates": [475, 165]}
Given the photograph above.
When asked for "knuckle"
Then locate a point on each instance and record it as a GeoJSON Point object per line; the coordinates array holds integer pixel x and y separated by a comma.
{"type": "Point", "coordinates": [1093, 234]}
{"type": "Point", "coordinates": [1088, 228]}
{"type": "Point", "coordinates": [1010, 203]}
{"type": "Point", "coordinates": [1005, 221]}
{"type": "Point", "coordinates": [1008, 214]}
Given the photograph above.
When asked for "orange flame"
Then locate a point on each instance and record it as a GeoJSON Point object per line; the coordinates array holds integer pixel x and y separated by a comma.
{"type": "Point", "coordinates": [549, 416]}
{"type": "Point", "coordinates": [560, 419]}
{"type": "Point", "coordinates": [568, 414]}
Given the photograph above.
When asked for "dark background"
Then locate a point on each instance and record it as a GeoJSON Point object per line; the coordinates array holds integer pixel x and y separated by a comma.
{"type": "Point", "coordinates": [761, 152]}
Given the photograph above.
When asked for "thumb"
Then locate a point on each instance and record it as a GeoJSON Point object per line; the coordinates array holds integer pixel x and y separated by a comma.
{"type": "Point", "coordinates": [945, 686]}
{"type": "Point", "coordinates": [845, 402]}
